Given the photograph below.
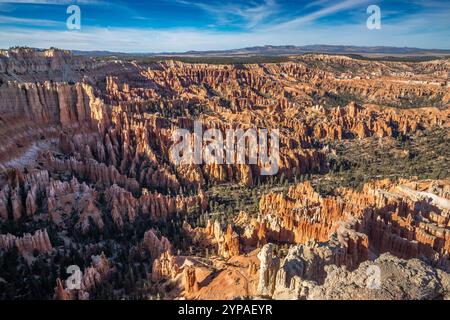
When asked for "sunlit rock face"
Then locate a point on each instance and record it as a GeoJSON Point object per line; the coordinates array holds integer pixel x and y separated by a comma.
{"type": "Point", "coordinates": [87, 179]}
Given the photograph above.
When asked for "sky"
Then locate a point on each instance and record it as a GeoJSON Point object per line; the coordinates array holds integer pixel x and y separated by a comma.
{"type": "Point", "coordinates": [183, 25]}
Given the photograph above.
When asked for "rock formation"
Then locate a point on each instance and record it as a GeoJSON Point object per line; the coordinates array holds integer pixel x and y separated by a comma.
{"type": "Point", "coordinates": [269, 264]}
{"type": "Point", "coordinates": [27, 244]}
{"type": "Point", "coordinates": [86, 161]}
{"type": "Point", "coordinates": [399, 280]}
{"type": "Point", "coordinates": [190, 282]}
{"type": "Point", "coordinates": [98, 272]}
{"type": "Point", "coordinates": [390, 215]}
{"type": "Point", "coordinates": [154, 245]}
{"type": "Point", "coordinates": [165, 267]}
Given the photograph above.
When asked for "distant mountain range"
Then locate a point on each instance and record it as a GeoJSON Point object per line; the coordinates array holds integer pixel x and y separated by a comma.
{"type": "Point", "coordinates": [286, 50]}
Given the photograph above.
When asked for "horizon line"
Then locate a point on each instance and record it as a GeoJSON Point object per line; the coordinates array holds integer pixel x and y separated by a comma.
{"type": "Point", "coordinates": [244, 48]}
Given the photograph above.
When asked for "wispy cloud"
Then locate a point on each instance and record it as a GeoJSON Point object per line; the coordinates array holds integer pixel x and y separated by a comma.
{"type": "Point", "coordinates": [248, 14]}
{"type": "Point", "coordinates": [53, 2]}
{"type": "Point", "coordinates": [326, 8]}
{"type": "Point", "coordinates": [31, 22]}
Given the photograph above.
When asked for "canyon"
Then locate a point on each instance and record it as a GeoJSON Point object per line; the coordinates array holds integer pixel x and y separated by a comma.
{"type": "Point", "coordinates": [359, 208]}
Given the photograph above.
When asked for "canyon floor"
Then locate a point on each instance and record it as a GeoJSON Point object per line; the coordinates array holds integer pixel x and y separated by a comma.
{"type": "Point", "coordinates": [359, 208]}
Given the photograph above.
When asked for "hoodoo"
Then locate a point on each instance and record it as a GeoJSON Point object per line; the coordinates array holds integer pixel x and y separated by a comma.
{"type": "Point", "coordinates": [358, 207]}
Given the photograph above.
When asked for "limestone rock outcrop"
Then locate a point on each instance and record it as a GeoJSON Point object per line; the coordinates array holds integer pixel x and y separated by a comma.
{"type": "Point", "coordinates": [398, 280]}
{"type": "Point", "coordinates": [386, 278]}
{"type": "Point", "coordinates": [268, 268]}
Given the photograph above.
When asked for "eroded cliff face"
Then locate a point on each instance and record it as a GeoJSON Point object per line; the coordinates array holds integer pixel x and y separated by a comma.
{"type": "Point", "coordinates": [87, 178]}
{"type": "Point", "coordinates": [404, 218]}
{"type": "Point", "coordinates": [32, 65]}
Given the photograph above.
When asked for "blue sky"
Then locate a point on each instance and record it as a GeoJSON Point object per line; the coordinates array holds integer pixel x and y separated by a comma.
{"type": "Point", "coordinates": [181, 25]}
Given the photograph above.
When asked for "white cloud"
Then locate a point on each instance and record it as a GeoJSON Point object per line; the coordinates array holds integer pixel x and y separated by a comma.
{"type": "Point", "coordinates": [248, 15]}
{"type": "Point", "coordinates": [328, 8]}
{"type": "Point", "coordinates": [53, 2]}
{"type": "Point", "coordinates": [31, 22]}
